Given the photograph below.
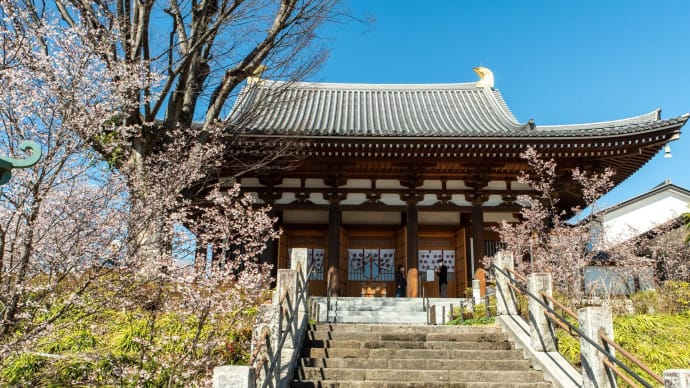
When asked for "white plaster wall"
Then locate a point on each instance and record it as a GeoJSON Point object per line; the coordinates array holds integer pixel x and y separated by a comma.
{"type": "Point", "coordinates": [639, 217]}
{"type": "Point", "coordinates": [432, 185]}
{"type": "Point", "coordinates": [429, 199]}
{"type": "Point", "coordinates": [459, 200]}
{"type": "Point", "coordinates": [371, 218]}
{"type": "Point", "coordinates": [305, 217]}
{"type": "Point", "coordinates": [496, 185]}
{"type": "Point", "coordinates": [290, 182]}
{"type": "Point", "coordinates": [494, 200]}
{"type": "Point", "coordinates": [499, 216]}
{"type": "Point", "coordinates": [388, 184]}
{"type": "Point", "coordinates": [358, 184]}
{"type": "Point", "coordinates": [392, 199]}
{"type": "Point", "coordinates": [286, 198]}
{"type": "Point", "coordinates": [250, 182]}
{"type": "Point", "coordinates": [315, 183]}
{"type": "Point", "coordinates": [455, 185]}
{"type": "Point", "coordinates": [354, 199]}
{"type": "Point", "coordinates": [318, 199]}
{"type": "Point", "coordinates": [439, 218]}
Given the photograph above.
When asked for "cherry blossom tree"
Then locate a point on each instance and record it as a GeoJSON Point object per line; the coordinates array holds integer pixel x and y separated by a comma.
{"type": "Point", "coordinates": [70, 226]}
{"type": "Point", "coordinates": [56, 219]}
{"type": "Point", "coordinates": [203, 52]}
{"type": "Point", "coordinates": [545, 241]}
{"type": "Point", "coordinates": [667, 246]}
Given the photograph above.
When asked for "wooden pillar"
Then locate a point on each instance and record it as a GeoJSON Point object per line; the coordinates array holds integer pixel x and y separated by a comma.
{"type": "Point", "coordinates": [478, 234]}
{"type": "Point", "coordinates": [334, 221]}
{"type": "Point", "coordinates": [412, 222]}
{"type": "Point", "coordinates": [466, 223]}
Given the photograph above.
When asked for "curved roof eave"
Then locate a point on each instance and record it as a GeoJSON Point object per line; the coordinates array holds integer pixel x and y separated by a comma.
{"type": "Point", "coordinates": [660, 125]}
{"type": "Point", "coordinates": [406, 111]}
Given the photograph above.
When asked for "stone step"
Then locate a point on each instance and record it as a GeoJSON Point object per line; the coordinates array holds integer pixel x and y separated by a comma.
{"type": "Point", "coordinates": [385, 342]}
{"type": "Point", "coordinates": [406, 336]}
{"type": "Point", "coordinates": [413, 384]}
{"type": "Point", "coordinates": [400, 328]}
{"type": "Point", "coordinates": [355, 316]}
{"type": "Point", "coordinates": [376, 344]}
{"type": "Point", "coordinates": [343, 300]}
{"type": "Point", "coordinates": [421, 354]}
{"type": "Point", "coordinates": [411, 308]}
{"type": "Point", "coordinates": [445, 364]}
{"type": "Point", "coordinates": [386, 310]}
{"type": "Point", "coordinates": [435, 375]}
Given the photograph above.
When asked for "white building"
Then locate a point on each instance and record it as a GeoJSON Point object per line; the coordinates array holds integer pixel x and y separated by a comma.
{"type": "Point", "coordinates": [643, 213]}
{"type": "Point", "coordinates": [629, 219]}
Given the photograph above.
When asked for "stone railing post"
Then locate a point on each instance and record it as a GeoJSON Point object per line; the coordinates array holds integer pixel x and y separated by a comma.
{"type": "Point", "coordinates": [594, 373]}
{"type": "Point", "coordinates": [677, 378]}
{"type": "Point", "coordinates": [234, 376]}
{"type": "Point", "coordinates": [476, 291]}
{"type": "Point", "coordinates": [298, 260]}
{"type": "Point", "coordinates": [542, 335]}
{"type": "Point", "coordinates": [506, 303]}
{"type": "Point", "coordinates": [272, 321]}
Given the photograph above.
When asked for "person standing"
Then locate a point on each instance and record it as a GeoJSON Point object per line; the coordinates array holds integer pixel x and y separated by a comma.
{"type": "Point", "coordinates": [400, 282]}
{"type": "Point", "coordinates": [442, 273]}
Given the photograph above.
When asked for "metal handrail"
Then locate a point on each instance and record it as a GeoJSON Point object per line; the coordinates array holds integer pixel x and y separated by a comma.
{"type": "Point", "coordinates": [619, 373]}
{"type": "Point", "coordinates": [284, 311]}
{"type": "Point", "coordinates": [517, 275]}
{"type": "Point", "coordinates": [560, 324]}
{"type": "Point", "coordinates": [630, 356]}
{"type": "Point", "coordinates": [581, 334]}
{"type": "Point", "coordinates": [559, 304]}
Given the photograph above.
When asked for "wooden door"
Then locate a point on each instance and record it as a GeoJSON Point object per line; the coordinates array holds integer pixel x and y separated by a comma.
{"type": "Point", "coordinates": [460, 263]}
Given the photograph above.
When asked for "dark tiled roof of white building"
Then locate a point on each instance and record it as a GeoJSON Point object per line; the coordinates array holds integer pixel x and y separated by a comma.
{"type": "Point", "coordinates": [426, 110]}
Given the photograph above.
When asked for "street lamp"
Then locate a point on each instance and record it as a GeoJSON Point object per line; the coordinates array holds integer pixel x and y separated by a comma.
{"type": "Point", "coordinates": [7, 163]}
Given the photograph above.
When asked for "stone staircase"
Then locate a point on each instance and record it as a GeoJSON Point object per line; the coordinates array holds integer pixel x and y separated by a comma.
{"type": "Point", "coordinates": [403, 355]}
{"type": "Point", "coordinates": [388, 310]}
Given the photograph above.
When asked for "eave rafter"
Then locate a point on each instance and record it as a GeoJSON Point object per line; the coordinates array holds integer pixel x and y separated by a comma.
{"type": "Point", "coordinates": [506, 147]}
{"type": "Point", "coordinates": [360, 157]}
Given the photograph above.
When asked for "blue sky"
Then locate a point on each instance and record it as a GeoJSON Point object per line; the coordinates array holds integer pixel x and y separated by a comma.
{"type": "Point", "coordinates": [559, 62]}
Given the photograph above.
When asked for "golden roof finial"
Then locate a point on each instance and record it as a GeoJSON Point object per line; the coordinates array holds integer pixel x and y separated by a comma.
{"type": "Point", "coordinates": [486, 77]}
{"type": "Point", "coordinates": [255, 78]}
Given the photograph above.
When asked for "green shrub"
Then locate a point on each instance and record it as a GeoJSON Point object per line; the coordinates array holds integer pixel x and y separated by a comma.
{"type": "Point", "coordinates": [476, 315]}
{"type": "Point", "coordinates": [662, 341]}
{"type": "Point", "coordinates": [472, 321]}
{"type": "Point", "coordinates": [22, 369]}
{"type": "Point", "coordinates": [645, 302]}
{"type": "Point", "coordinates": [568, 347]}
{"type": "Point", "coordinates": [108, 347]}
{"type": "Point", "coordinates": [72, 338]}
{"type": "Point", "coordinates": [677, 295]}
{"type": "Point", "coordinates": [128, 335]}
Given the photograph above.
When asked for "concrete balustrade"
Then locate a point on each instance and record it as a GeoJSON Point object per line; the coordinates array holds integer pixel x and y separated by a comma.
{"type": "Point", "coordinates": [272, 322]}
{"type": "Point", "coordinates": [538, 339]}
{"type": "Point", "coordinates": [542, 332]}
{"type": "Point", "coordinates": [506, 302]}
{"type": "Point", "coordinates": [594, 373]}
{"type": "Point", "coordinates": [677, 378]}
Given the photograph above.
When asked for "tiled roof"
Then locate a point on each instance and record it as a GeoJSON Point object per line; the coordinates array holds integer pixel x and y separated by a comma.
{"type": "Point", "coordinates": [427, 110]}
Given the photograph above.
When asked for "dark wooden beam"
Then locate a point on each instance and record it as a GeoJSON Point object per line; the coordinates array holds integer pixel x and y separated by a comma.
{"type": "Point", "coordinates": [478, 234]}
